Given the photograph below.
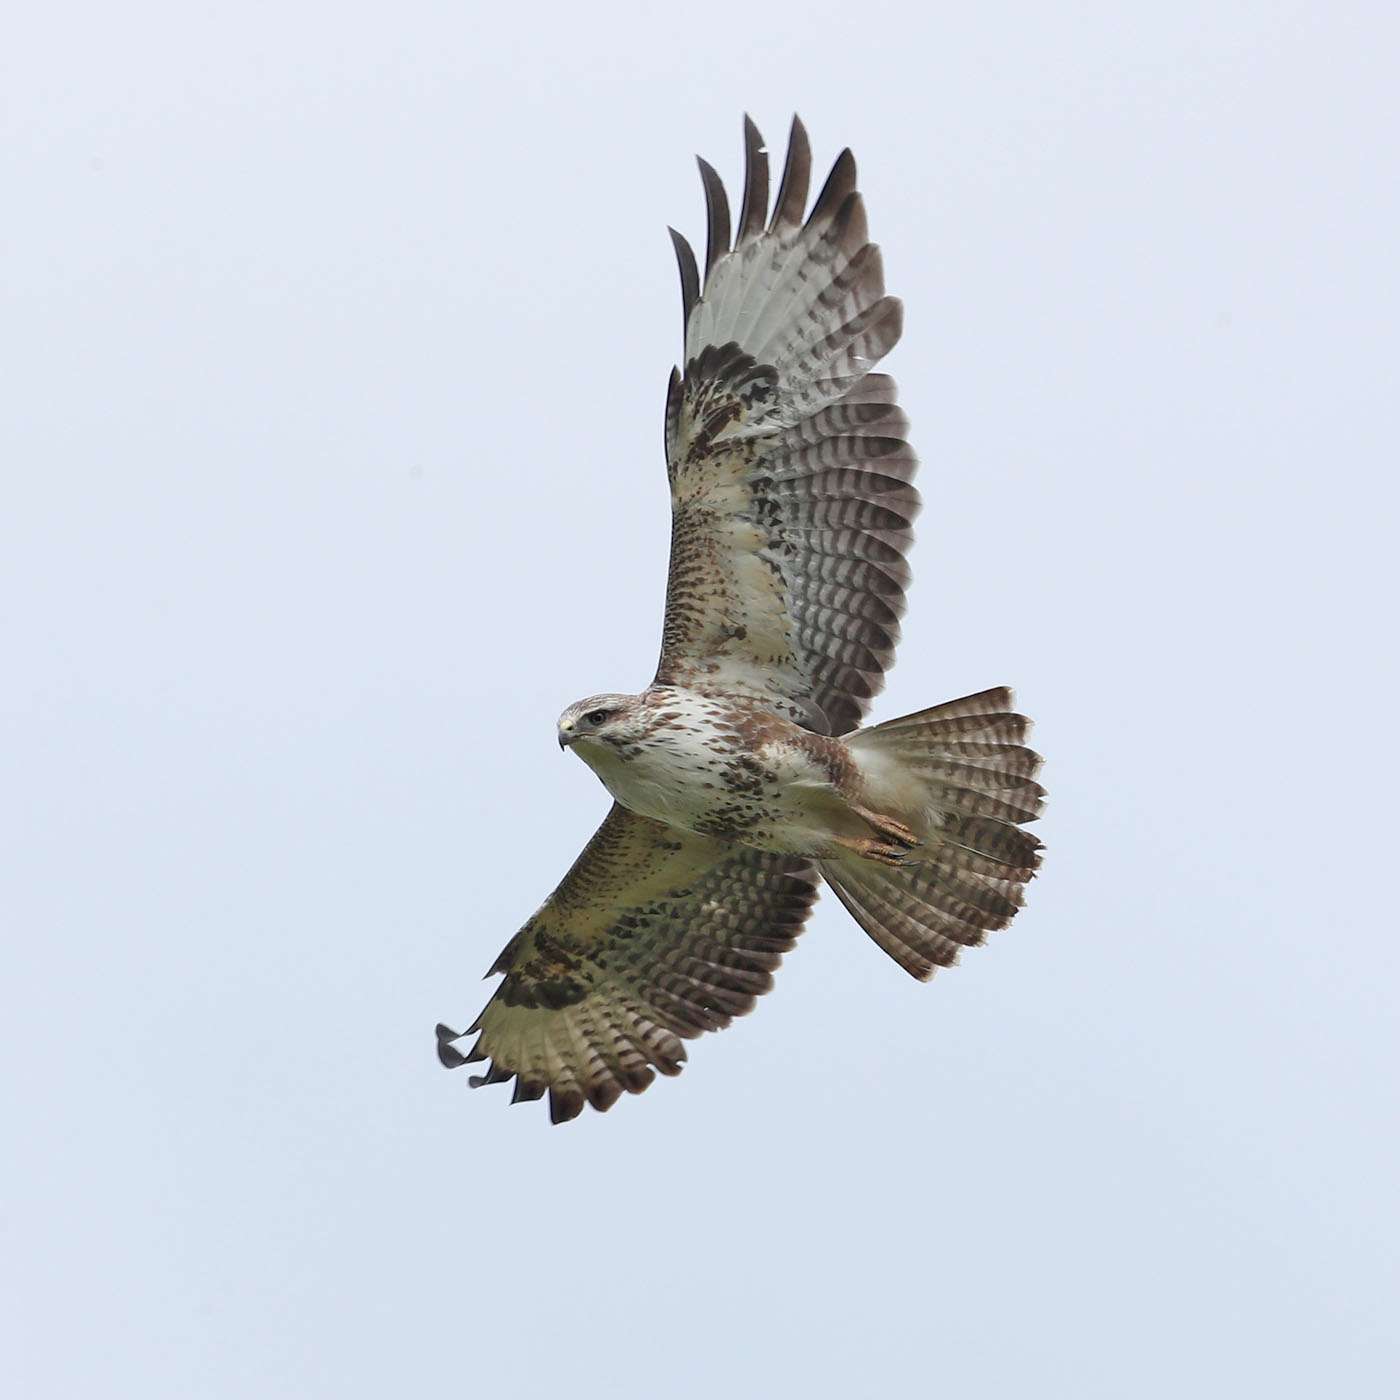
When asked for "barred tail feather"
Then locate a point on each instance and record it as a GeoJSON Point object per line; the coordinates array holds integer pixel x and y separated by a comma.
{"type": "Point", "coordinates": [960, 777]}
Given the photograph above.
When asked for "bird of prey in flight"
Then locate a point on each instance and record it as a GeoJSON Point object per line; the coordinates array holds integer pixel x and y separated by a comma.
{"type": "Point", "coordinates": [740, 776]}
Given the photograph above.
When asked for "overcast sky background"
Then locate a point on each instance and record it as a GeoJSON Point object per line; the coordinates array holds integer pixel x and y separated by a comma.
{"type": "Point", "coordinates": [335, 341]}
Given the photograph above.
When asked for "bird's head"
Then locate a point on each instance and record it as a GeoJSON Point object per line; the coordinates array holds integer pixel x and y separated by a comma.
{"type": "Point", "coordinates": [598, 721]}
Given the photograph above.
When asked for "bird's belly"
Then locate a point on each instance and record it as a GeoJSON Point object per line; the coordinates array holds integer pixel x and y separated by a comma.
{"type": "Point", "coordinates": [772, 800]}
{"type": "Point", "coordinates": [661, 795]}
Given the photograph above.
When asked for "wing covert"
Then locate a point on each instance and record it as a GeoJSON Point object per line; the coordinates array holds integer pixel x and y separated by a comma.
{"type": "Point", "coordinates": [791, 481]}
{"type": "Point", "coordinates": [655, 935]}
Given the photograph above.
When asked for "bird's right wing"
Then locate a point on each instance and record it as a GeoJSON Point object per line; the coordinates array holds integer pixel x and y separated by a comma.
{"type": "Point", "coordinates": [655, 934]}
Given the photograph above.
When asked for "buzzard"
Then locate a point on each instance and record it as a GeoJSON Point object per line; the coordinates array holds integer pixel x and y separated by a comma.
{"type": "Point", "coordinates": [740, 776]}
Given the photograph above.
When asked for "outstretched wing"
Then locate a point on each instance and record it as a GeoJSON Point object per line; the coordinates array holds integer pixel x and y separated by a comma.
{"type": "Point", "coordinates": [655, 935]}
{"type": "Point", "coordinates": [791, 494]}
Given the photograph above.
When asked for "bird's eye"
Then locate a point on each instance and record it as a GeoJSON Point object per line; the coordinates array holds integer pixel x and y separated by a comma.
{"type": "Point", "coordinates": [596, 716]}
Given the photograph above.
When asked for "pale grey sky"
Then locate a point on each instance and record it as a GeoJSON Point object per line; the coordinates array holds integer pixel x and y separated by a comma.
{"type": "Point", "coordinates": [335, 340]}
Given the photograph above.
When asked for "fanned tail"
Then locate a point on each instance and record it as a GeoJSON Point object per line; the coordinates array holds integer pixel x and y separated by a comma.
{"type": "Point", "coordinates": [960, 776]}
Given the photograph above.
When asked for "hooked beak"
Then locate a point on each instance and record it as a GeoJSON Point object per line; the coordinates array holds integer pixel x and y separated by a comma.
{"type": "Point", "coordinates": [566, 736]}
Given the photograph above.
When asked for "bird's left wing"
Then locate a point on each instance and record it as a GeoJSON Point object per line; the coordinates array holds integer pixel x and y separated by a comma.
{"type": "Point", "coordinates": [654, 935]}
{"type": "Point", "coordinates": [791, 481]}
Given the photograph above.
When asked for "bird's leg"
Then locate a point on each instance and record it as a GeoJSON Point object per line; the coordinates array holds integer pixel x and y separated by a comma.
{"type": "Point", "coordinates": [889, 830]}
{"type": "Point", "coordinates": [868, 848]}
{"type": "Point", "coordinates": [890, 845]}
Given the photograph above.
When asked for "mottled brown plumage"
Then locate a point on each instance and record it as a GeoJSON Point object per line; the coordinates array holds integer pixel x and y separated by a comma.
{"type": "Point", "coordinates": [738, 777]}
